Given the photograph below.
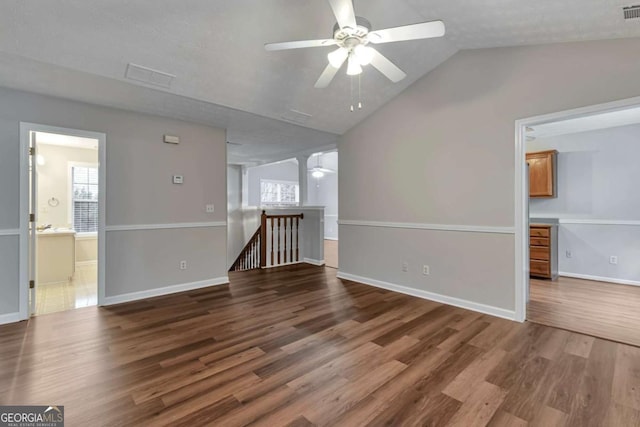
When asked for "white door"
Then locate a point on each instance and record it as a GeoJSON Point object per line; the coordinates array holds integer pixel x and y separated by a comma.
{"type": "Point", "coordinates": [33, 182]}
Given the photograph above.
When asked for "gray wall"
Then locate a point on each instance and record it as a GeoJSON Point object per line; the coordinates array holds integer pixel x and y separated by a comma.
{"type": "Point", "coordinates": [597, 177]}
{"type": "Point", "coordinates": [443, 153]}
{"type": "Point", "coordinates": [139, 191]}
{"type": "Point", "coordinates": [282, 171]}
{"type": "Point", "coordinates": [235, 226]}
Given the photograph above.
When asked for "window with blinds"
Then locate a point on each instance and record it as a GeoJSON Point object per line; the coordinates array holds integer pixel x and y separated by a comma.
{"type": "Point", "coordinates": [278, 192]}
{"type": "Point", "coordinates": [84, 187]}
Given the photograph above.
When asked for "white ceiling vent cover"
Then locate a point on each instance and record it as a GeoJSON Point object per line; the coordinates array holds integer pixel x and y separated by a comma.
{"type": "Point", "coordinates": [631, 12]}
{"type": "Point", "coordinates": [149, 75]}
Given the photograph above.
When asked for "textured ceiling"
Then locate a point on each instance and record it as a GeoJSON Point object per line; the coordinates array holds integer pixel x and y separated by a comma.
{"type": "Point", "coordinates": [215, 50]}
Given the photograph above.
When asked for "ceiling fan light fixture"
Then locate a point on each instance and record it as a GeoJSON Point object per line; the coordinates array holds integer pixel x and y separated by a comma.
{"type": "Point", "coordinates": [317, 174]}
{"type": "Point", "coordinates": [363, 54]}
{"type": "Point", "coordinates": [337, 57]}
{"type": "Point", "coordinates": [354, 68]}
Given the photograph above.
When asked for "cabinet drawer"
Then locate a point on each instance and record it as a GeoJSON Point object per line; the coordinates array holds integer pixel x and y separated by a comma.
{"type": "Point", "coordinates": [539, 268]}
{"type": "Point", "coordinates": [538, 232]}
{"type": "Point", "coordinates": [539, 241]}
{"type": "Point", "coordinates": [539, 253]}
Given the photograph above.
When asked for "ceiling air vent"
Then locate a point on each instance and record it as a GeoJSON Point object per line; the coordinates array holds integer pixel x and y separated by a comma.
{"type": "Point", "coordinates": [631, 12]}
{"type": "Point", "coordinates": [149, 75]}
{"type": "Point", "coordinates": [296, 116]}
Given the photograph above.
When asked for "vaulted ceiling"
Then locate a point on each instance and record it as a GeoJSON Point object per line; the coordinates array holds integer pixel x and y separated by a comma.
{"type": "Point", "coordinates": [223, 76]}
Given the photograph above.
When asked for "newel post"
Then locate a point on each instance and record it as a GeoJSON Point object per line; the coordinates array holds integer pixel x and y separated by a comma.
{"type": "Point", "coordinates": [263, 239]}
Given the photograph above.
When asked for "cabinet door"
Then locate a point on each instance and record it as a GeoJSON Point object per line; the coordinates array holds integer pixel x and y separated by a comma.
{"type": "Point", "coordinates": [540, 174]}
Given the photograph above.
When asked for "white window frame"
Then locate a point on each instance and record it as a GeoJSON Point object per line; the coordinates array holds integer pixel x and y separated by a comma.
{"type": "Point", "coordinates": [70, 166]}
{"type": "Point", "coordinates": [276, 181]}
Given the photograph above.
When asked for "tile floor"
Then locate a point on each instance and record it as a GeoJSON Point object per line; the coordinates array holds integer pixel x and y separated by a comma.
{"type": "Point", "coordinates": [81, 291]}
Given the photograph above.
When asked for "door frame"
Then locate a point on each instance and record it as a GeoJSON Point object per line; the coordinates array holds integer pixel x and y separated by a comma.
{"type": "Point", "coordinates": [522, 192]}
{"type": "Point", "coordinates": [25, 128]}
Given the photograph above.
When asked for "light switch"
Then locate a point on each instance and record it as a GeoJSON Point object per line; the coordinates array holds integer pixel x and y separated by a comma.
{"type": "Point", "coordinates": [178, 179]}
{"type": "Point", "coordinates": [209, 208]}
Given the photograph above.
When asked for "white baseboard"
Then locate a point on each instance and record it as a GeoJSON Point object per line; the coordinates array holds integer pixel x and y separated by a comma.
{"type": "Point", "coordinates": [86, 263]}
{"type": "Point", "coordinates": [331, 238]}
{"type": "Point", "coordinates": [10, 318]}
{"type": "Point", "coordinates": [600, 279]}
{"type": "Point", "coordinates": [136, 296]}
{"type": "Point", "coordinates": [318, 262]}
{"type": "Point", "coordinates": [457, 302]}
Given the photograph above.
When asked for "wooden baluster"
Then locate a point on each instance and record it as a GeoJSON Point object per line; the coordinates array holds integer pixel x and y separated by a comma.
{"type": "Point", "coordinates": [284, 256]}
{"type": "Point", "coordinates": [291, 246]}
{"type": "Point", "coordinates": [279, 229]}
{"type": "Point", "coordinates": [272, 245]}
{"type": "Point", "coordinates": [297, 239]}
{"type": "Point", "coordinates": [263, 239]}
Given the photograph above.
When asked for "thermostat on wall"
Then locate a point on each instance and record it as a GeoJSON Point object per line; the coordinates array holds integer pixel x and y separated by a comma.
{"type": "Point", "coordinates": [169, 139]}
{"type": "Point", "coordinates": [178, 179]}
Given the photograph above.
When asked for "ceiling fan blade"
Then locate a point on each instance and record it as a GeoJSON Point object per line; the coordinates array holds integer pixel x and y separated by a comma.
{"type": "Point", "coordinates": [325, 78]}
{"type": "Point", "coordinates": [299, 44]}
{"type": "Point", "coordinates": [345, 15]}
{"type": "Point", "coordinates": [386, 67]}
{"type": "Point", "coordinates": [424, 30]}
{"type": "Point", "coordinates": [325, 170]}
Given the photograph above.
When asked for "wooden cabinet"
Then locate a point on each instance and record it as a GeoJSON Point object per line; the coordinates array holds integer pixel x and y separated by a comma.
{"type": "Point", "coordinates": [543, 251]}
{"type": "Point", "coordinates": [542, 173]}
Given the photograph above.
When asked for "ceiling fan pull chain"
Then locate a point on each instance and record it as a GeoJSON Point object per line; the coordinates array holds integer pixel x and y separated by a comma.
{"type": "Point", "coordinates": [351, 84]}
{"type": "Point", "coordinates": [359, 93]}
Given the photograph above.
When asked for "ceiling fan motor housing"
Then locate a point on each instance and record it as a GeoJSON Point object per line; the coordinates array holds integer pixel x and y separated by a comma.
{"type": "Point", "coordinates": [351, 37]}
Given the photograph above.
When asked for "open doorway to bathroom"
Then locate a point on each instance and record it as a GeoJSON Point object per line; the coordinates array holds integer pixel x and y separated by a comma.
{"type": "Point", "coordinates": [65, 206]}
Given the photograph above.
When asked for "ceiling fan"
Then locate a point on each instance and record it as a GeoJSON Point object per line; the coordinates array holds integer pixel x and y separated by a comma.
{"type": "Point", "coordinates": [318, 171]}
{"type": "Point", "coordinates": [352, 34]}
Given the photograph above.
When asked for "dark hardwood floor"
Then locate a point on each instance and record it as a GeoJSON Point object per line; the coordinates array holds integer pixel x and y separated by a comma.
{"type": "Point", "coordinates": [296, 346]}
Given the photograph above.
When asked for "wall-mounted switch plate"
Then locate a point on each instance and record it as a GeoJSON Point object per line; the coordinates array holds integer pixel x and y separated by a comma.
{"type": "Point", "coordinates": [183, 265]}
{"type": "Point", "coordinates": [405, 266]}
{"type": "Point", "coordinates": [568, 254]}
{"type": "Point", "coordinates": [178, 179]}
{"type": "Point", "coordinates": [209, 208]}
{"type": "Point", "coordinates": [613, 260]}
{"type": "Point", "coordinates": [170, 139]}
{"type": "Point", "coordinates": [426, 270]}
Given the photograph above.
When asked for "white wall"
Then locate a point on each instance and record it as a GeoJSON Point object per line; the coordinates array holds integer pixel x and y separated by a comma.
{"type": "Point", "coordinates": [324, 192]}
{"type": "Point", "coordinates": [443, 154]}
{"type": "Point", "coordinates": [53, 181]}
{"type": "Point", "coordinates": [281, 171]}
{"type": "Point", "coordinates": [139, 191]}
{"type": "Point", "coordinates": [597, 178]}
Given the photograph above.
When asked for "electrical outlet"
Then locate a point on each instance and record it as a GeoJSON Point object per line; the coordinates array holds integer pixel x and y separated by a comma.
{"type": "Point", "coordinates": [425, 270]}
{"type": "Point", "coordinates": [568, 254]}
{"type": "Point", "coordinates": [405, 266]}
{"type": "Point", "coordinates": [183, 265]}
{"type": "Point", "coordinates": [613, 260]}
{"type": "Point", "coordinates": [209, 208]}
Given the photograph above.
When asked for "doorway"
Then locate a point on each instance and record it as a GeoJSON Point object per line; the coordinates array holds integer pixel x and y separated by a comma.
{"type": "Point", "coordinates": [63, 224]}
{"type": "Point", "coordinates": [323, 191]}
{"type": "Point", "coordinates": [577, 221]}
